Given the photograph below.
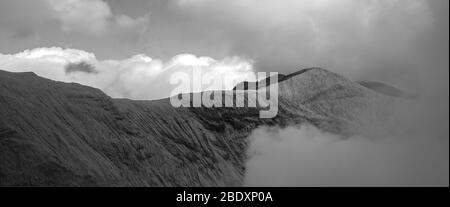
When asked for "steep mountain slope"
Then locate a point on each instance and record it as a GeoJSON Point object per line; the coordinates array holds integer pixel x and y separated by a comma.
{"type": "Point", "coordinates": [66, 134]}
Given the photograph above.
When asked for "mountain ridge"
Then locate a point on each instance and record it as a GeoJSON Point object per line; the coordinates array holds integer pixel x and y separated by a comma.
{"type": "Point", "coordinates": [379, 87]}
{"type": "Point", "coordinates": [66, 134]}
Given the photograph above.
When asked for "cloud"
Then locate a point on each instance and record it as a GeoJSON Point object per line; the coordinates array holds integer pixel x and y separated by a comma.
{"type": "Point", "coordinates": [80, 67]}
{"type": "Point", "coordinates": [91, 16]}
{"type": "Point", "coordinates": [57, 55]}
{"type": "Point", "coordinates": [361, 39]}
{"type": "Point", "coordinates": [62, 17]}
{"type": "Point", "coordinates": [409, 148]}
{"type": "Point", "coordinates": [137, 77]}
{"type": "Point", "coordinates": [17, 24]}
{"type": "Point", "coordinates": [308, 157]}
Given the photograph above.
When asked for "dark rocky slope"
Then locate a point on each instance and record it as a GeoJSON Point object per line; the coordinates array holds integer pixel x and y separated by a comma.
{"type": "Point", "coordinates": [66, 134]}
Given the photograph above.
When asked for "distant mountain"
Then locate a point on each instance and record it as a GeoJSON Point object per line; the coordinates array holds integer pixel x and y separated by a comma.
{"type": "Point", "coordinates": [67, 134]}
{"type": "Point", "coordinates": [387, 89]}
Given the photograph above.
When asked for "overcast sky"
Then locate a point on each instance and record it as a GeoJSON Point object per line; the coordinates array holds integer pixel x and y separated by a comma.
{"type": "Point", "coordinates": [401, 42]}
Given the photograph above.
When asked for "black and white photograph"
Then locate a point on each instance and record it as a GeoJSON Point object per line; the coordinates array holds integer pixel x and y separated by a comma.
{"type": "Point", "coordinates": [224, 93]}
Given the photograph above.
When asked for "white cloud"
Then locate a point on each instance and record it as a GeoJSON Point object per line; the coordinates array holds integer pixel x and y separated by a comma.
{"type": "Point", "coordinates": [138, 77]}
{"type": "Point", "coordinates": [91, 16]}
{"type": "Point", "coordinates": [57, 54]}
{"type": "Point", "coordinates": [308, 157]}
